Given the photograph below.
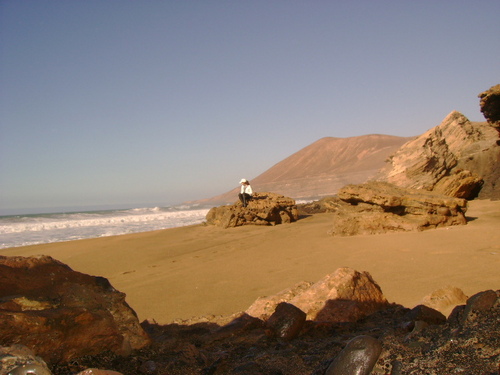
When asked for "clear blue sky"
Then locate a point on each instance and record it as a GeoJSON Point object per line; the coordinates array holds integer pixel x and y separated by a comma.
{"type": "Point", "coordinates": [158, 102]}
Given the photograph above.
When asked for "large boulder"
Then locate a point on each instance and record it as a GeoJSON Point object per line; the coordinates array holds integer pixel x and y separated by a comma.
{"type": "Point", "coordinates": [379, 207]}
{"type": "Point", "coordinates": [346, 295]}
{"type": "Point", "coordinates": [61, 314]}
{"type": "Point", "coordinates": [263, 209]}
{"type": "Point", "coordinates": [458, 158]}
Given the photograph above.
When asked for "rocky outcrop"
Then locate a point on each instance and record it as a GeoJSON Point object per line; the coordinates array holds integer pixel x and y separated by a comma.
{"type": "Point", "coordinates": [263, 209]}
{"type": "Point", "coordinates": [457, 158]}
{"type": "Point", "coordinates": [343, 296]}
{"type": "Point", "coordinates": [61, 314]}
{"type": "Point", "coordinates": [490, 105]}
{"type": "Point", "coordinates": [379, 207]}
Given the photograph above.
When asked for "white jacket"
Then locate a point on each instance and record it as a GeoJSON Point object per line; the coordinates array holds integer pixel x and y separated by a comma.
{"type": "Point", "coordinates": [246, 189]}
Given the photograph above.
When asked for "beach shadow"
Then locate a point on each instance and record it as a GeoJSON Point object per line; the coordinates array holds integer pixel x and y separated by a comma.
{"type": "Point", "coordinates": [304, 216]}
{"type": "Point", "coordinates": [471, 218]}
{"type": "Point", "coordinates": [344, 310]}
{"type": "Point", "coordinates": [174, 337]}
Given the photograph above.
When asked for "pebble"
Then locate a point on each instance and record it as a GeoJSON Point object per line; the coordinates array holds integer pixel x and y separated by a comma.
{"type": "Point", "coordinates": [30, 369]}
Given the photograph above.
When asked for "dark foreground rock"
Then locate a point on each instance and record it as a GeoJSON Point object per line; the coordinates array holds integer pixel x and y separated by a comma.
{"type": "Point", "coordinates": [263, 209]}
{"type": "Point", "coordinates": [358, 357]}
{"type": "Point", "coordinates": [390, 340]}
{"type": "Point", "coordinates": [61, 314]}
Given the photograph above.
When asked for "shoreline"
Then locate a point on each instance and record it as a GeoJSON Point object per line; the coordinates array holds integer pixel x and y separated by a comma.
{"type": "Point", "coordinates": [200, 270]}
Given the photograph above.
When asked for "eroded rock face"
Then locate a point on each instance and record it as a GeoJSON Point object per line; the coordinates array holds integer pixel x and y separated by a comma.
{"type": "Point", "coordinates": [457, 158]}
{"type": "Point", "coordinates": [343, 296]}
{"type": "Point", "coordinates": [61, 314]}
{"type": "Point", "coordinates": [379, 207]}
{"type": "Point", "coordinates": [490, 105]}
{"type": "Point", "coordinates": [460, 184]}
{"type": "Point", "coordinates": [263, 209]}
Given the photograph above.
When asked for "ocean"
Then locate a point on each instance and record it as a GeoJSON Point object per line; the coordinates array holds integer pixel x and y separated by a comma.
{"type": "Point", "coordinates": [23, 230]}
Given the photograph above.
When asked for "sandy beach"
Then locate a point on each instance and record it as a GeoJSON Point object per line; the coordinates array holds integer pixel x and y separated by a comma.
{"type": "Point", "coordinates": [203, 270]}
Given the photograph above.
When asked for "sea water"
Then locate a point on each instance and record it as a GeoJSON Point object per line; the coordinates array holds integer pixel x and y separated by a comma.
{"type": "Point", "coordinates": [23, 230]}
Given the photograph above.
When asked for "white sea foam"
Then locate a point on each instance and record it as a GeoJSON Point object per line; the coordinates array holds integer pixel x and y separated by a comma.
{"type": "Point", "coordinates": [36, 229]}
{"type": "Point", "coordinates": [303, 201]}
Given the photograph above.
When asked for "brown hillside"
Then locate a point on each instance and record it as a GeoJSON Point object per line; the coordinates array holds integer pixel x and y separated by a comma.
{"type": "Point", "coordinates": [323, 167]}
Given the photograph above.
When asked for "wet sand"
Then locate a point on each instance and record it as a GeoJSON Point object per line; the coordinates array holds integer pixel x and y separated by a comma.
{"type": "Point", "coordinates": [203, 270]}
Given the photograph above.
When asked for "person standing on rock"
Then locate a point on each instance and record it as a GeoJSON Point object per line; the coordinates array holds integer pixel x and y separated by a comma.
{"type": "Point", "coordinates": [246, 192]}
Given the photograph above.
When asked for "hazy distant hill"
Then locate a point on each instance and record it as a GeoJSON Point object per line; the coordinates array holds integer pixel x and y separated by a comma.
{"type": "Point", "coordinates": [323, 167]}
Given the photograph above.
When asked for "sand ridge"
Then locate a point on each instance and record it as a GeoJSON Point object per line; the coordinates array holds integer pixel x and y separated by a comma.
{"type": "Point", "coordinates": [201, 270]}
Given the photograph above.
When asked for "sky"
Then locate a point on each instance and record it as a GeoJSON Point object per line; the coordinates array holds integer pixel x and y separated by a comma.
{"type": "Point", "coordinates": [141, 103]}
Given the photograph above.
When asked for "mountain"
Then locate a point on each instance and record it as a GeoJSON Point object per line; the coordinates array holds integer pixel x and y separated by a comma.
{"type": "Point", "coordinates": [323, 167]}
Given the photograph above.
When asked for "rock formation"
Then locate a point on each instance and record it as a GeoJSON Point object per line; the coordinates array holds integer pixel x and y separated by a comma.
{"type": "Point", "coordinates": [490, 105]}
{"type": "Point", "coordinates": [61, 314]}
{"type": "Point", "coordinates": [457, 158]}
{"type": "Point", "coordinates": [263, 209]}
{"type": "Point", "coordinates": [379, 207]}
{"type": "Point", "coordinates": [343, 296]}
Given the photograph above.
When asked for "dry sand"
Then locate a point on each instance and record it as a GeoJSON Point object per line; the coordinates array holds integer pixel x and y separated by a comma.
{"type": "Point", "coordinates": [201, 270]}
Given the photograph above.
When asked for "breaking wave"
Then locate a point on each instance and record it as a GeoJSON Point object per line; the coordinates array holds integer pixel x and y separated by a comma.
{"type": "Point", "coordinates": [45, 228]}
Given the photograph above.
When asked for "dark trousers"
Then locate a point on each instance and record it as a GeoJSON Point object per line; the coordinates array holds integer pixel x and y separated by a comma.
{"type": "Point", "coordinates": [244, 198]}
